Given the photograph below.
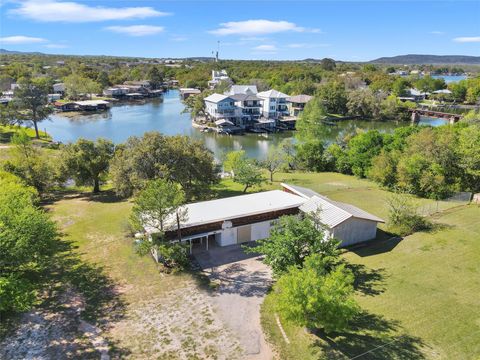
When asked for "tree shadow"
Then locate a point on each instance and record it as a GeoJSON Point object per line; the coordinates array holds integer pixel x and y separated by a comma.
{"type": "Point", "coordinates": [222, 191]}
{"type": "Point", "coordinates": [370, 337]}
{"type": "Point", "coordinates": [107, 196]}
{"type": "Point", "coordinates": [72, 291]}
{"type": "Point", "coordinates": [367, 281]}
{"type": "Point", "coordinates": [384, 242]}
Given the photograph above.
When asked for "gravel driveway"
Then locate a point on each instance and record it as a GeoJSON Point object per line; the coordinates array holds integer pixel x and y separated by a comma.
{"type": "Point", "coordinates": [243, 282]}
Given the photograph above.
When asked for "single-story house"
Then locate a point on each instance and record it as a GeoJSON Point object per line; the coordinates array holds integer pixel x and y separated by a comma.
{"type": "Point", "coordinates": [249, 217]}
{"type": "Point", "coordinates": [232, 220]}
{"type": "Point", "coordinates": [185, 93]}
{"type": "Point", "coordinates": [342, 221]}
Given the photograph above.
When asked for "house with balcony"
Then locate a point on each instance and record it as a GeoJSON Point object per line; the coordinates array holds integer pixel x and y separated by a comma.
{"type": "Point", "coordinates": [274, 104]}
{"type": "Point", "coordinates": [221, 107]}
{"type": "Point", "coordinates": [297, 103]}
{"type": "Point", "coordinates": [242, 89]}
{"type": "Point", "coordinates": [248, 108]}
{"type": "Point", "coordinates": [218, 76]}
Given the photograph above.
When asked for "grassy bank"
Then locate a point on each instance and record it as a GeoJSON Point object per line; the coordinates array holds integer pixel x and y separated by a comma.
{"type": "Point", "coordinates": [7, 132]}
{"type": "Point", "coordinates": [418, 295]}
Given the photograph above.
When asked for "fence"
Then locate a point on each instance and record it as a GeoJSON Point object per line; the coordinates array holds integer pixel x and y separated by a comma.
{"type": "Point", "coordinates": [432, 207]}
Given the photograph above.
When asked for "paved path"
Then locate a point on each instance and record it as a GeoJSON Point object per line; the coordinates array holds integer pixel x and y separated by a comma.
{"type": "Point", "coordinates": [243, 282]}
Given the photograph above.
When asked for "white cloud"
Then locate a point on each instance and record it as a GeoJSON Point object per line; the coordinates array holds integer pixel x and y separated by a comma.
{"type": "Point", "coordinates": [270, 49]}
{"type": "Point", "coordinates": [437, 32]}
{"type": "Point", "coordinates": [179, 38]}
{"type": "Point", "coordinates": [467, 39]}
{"type": "Point", "coordinates": [20, 39]}
{"type": "Point", "coordinates": [258, 27]}
{"type": "Point", "coordinates": [52, 10]}
{"type": "Point", "coordinates": [136, 30]}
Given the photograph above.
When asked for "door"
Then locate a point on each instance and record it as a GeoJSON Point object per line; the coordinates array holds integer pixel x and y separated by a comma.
{"type": "Point", "coordinates": [244, 233]}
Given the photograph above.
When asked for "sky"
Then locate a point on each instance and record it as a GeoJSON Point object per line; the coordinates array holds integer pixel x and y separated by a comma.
{"type": "Point", "coordinates": [248, 29]}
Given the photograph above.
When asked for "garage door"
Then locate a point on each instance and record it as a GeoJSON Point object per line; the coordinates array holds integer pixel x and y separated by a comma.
{"type": "Point", "coordinates": [244, 234]}
{"type": "Point", "coordinates": [261, 230]}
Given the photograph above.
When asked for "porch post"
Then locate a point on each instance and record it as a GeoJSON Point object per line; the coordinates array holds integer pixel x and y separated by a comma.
{"type": "Point", "coordinates": [190, 241]}
{"type": "Point", "coordinates": [207, 241]}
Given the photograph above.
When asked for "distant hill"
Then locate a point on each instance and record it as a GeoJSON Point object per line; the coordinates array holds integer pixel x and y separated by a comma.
{"type": "Point", "coordinates": [413, 59]}
{"type": "Point", "coordinates": [11, 52]}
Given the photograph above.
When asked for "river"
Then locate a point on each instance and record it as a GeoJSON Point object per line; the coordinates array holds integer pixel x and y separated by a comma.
{"type": "Point", "coordinates": [165, 116]}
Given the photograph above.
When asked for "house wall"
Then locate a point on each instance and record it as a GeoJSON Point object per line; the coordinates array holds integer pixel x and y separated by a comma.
{"type": "Point", "coordinates": [353, 231]}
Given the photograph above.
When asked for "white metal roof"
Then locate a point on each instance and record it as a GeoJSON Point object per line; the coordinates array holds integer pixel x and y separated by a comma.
{"type": "Point", "coordinates": [216, 98]}
{"type": "Point", "coordinates": [91, 102]}
{"type": "Point", "coordinates": [206, 212]}
{"type": "Point", "coordinates": [333, 213]}
{"type": "Point", "coordinates": [242, 89]}
{"type": "Point", "coordinates": [272, 94]}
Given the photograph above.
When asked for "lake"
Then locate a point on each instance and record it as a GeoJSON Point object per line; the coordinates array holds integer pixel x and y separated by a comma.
{"type": "Point", "coordinates": [450, 78]}
{"type": "Point", "coordinates": [165, 116]}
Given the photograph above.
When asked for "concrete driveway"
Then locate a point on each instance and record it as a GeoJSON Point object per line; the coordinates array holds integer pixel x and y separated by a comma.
{"type": "Point", "coordinates": [243, 282]}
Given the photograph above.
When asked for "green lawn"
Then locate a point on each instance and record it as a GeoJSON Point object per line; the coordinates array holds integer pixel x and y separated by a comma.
{"type": "Point", "coordinates": [6, 133]}
{"type": "Point", "coordinates": [420, 296]}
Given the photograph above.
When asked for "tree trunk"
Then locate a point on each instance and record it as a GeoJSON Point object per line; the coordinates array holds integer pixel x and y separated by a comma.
{"type": "Point", "coordinates": [271, 176]}
{"type": "Point", "coordinates": [246, 187]}
{"type": "Point", "coordinates": [96, 185]}
{"type": "Point", "coordinates": [37, 135]}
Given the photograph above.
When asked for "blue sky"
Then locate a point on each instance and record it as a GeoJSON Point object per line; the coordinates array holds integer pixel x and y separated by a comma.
{"type": "Point", "coordinates": [268, 29]}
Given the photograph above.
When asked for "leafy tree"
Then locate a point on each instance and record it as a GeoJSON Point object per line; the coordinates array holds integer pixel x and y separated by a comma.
{"type": "Point", "coordinates": [178, 158]}
{"type": "Point", "coordinates": [287, 147]}
{"type": "Point", "coordinates": [310, 155]}
{"type": "Point", "coordinates": [77, 85]}
{"type": "Point", "coordinates": [28, 241]}
{"type": "Point", "coordinates": [158, 206]}
{"type": "Point", "coordinates": [248, 174]}
{"type": "Point", "coordinates": [310, 124]}
{"type": "Point", "coordinates": [155, 77]}
{"type": "Point", "coordinates": [469, 155]}
{"type": "Point", "coordinates": [363, 103]}
{"type": "Point", "coordinates": [384, 168]}
{"type": "Point", "coordinates": [291, 240]}
{"type": "Point", "coordinates": [328, 64]}
{"type": "Point", "coordinates": [196, 104]}
{"type": "Point", "coordinates": [334, 97]}
{"type": "Point", "coordinates": [402, 215]}
{"type": "Point", "coordinates": [361, 149]}
{"type": "Point", "coordinates": [103, 79]}
{"type": "Point", "coordinates": [27, 162]}
{"type": "Point", "coordinates": [274, 161]}
{"type": "Point", "coordinates": [31, 102]}
{"type": "Point", "coordinates": [233, 159]}
{"type": "Point", "coordinates": [399, 86]}
{"type": "Point", "coordinates": [316, 297]}
{"type": "Point", "coordinates": [88, 161]}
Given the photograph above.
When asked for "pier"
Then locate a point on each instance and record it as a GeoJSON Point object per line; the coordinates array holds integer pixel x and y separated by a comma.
{"type": "Point", "coordinates": [416, 113]}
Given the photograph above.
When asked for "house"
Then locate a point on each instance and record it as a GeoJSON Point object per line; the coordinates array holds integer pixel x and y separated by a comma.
{"type": "Point", "coordinates": [92, 105]}
{"type": "Point", "coordinates": [59, 88]}
{"type": "Point", "coordinates": [185, 93]}
{"type": "Point", "coordinates": [413, 95]}
{"type": "Point", "coordinates": [218, 76]}
{"type": "Point", "coordinates": [54, 97]}
{"type": "Point", "coordinates": [297, 103]}
{"type": "Point", "coordinates": [65, 106]}
{"type": "Point", "coordinates": [115, 91]}
{"type": "Point", "coordinates": [248, 108]}
{"type": "Point", "coordinates": [218, 106]}
{"type": "Point", "coordinates": [274, 104]}
{"type": "Point", "coordinates": [244, 218]}
{"type": "Point", "coordinates": [232, 220]}
{"type": "Point", "coordinates": [342, 221]}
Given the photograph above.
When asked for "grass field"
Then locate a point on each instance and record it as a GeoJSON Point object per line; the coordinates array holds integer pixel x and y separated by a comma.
{"type": "Point", "coordinates": [420, 296]}
{"type": "Point", "coordinates": [6, 133]}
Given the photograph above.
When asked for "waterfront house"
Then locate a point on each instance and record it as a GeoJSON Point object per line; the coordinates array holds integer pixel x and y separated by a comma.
{"type": "Point", "coordinates": [274, 104]}
{"type": "Point", "coordinates": [185, 93]}
{"type": "Point", "coordinates": [92, 105]}
{"type": "Point", "coordinates": [59, 88]}
{"type": "Point", "coordinates": [53, 97]}
{"type": "Point", "coordinates": [248, 108]}
{"type": "Point", "coordinates": [65, 106]}
{"type": "Point", "coordinates": [218, 76]}
{"type": "Point", "coordinates": [220, 107]}
{"type": "Point", "coordinates": [297, 103]}
{"type": "Point", "coordinates": [244, 218]}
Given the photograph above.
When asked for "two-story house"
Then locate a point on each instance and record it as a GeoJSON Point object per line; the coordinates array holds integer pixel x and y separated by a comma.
{"type": "Point", "coordinates": [248, 108]}
{"type": "Point", "coordinates": [297, 103]}
{"type": "Point", "coordinates": [220, 107]}
{"type": "Point", "coordinates": [274, 104]}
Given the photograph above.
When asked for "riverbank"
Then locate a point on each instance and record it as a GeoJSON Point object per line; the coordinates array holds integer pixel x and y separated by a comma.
{"type": "Point", "coordinates": [7, 132]}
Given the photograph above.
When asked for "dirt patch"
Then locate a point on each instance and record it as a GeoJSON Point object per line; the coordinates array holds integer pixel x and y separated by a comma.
{"type": "Point", "coordinates": [54, 333]}
{"type": "Point", "coordinates": [180, 325]}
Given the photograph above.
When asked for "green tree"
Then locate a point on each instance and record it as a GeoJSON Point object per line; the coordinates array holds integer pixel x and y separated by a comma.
{"type": "Point", "coordinates": [334, 97]}
{"type": "Point", "coordinates": [361, 150]}
{"type": "Point", "coordinates": [88, 161]}
{"type": "Point", "coordinates": [155, 77]}
{"type": "Point", "coordinates": [28, 241]}
{"type": "Point", "coordinates": [233, 159]}
{"type": "Point", "coordinates": [317, 297]}
{"type": "Point", "coordinates": [248, 174]}
{"type": "Point", "coordinates": [310, 125]}
{"type": "Point", "coordinates": [469, 155]}
{"type": "Point", "coordinates": [77, 85]}
{"type": "Point", "coordinates": [310, 155]}
{"type": "Point", "coordinates": [158, 207]}
{"type": "Point", "coordinates": [402, 215]}
{"type": "Point", "coordinates": [363, 103]}
{"type": "Point", "coordinates": [291, 240]}
{"type": "Point", "coordinates": [152, 156]}
{"type": "Point", "coordinates": [30, 164]}
{"type": "Point", "coordinates": [31, 103]}
{"type": "Point", "coordinates": [328, 64]}
{"type": "Point", "coordinates": [274, 161]}
{"type": "Point", "coordinates": [400, 86]}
